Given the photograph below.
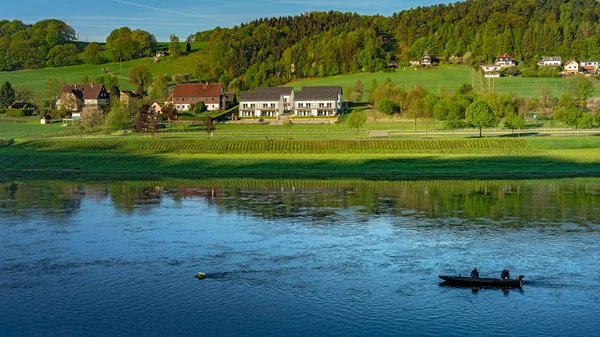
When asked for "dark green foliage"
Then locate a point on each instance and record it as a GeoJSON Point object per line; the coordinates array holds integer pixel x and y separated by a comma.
{"type": "Point", "coordinates": [581, 88]}
{"type": "Point", "coordinates": [199, 108]}
{"type": "Point", "coordinates": [62, 55]}
{"type": "Point", "coordinates": [7, 95]}
{"type": "Point", "coordinates": [387, 106]}
{"type": "Point", "coordinates": [141, 77]}
{"type": "Point", "coordinates": [24, 46]}
{"type": "Point", "coordinates": [480, 115]}
{"type": "Point", "coordinates": [19, 112]}
{"type": "Point", "coordinates": [91, 54]}
{"type": "Point", "coordinates": [124, 44]}
{"type": "Point", "coordinates": [188, 47]}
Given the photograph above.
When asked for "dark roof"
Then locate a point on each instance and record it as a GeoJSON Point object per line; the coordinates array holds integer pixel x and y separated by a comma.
{"type": "Point", "coordinates": [334, 88]}
{"type": "Point", "coordinates": [83, 91]}
{"type": "Point", "coordinates": [275, 90]}
{"type": "Point", "coordinates": [551, 58]}
{"type": "Point", "coordinates": [197, 90]}
{"type": "Point", "coordinates": [316, 94]}
{"type": "Point", "coordinates": [46, 117]}
{"type": "Point", "coordinates": [259, 96]}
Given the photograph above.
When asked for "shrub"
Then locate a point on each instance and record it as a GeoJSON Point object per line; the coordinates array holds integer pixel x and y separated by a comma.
{"type": "Point", "coordinates": [387, 106]}
{"type": "Point", "coordinates": [2, 111]}
{"type": "Point", "coordinates": [19, 112]}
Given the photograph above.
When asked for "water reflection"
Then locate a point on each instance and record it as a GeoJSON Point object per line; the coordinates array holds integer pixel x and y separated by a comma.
{"type": "Point", "coordinates": [519, 203]}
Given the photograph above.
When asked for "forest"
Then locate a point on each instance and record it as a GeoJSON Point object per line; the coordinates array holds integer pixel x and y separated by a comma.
{"type": "Point", "coordinates": [272, 51]}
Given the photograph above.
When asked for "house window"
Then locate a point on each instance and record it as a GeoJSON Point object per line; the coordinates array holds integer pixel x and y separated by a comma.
{"type": "Point", "coordinates": [329, 105]}
{"type": "Point", "coordinates": [265, 105]}
{"type": "Point", "coordinates": [252, 106]}
{"type": "Point", "coordinates": [321, 105]}
{"type": "Point", "coordinates": [301, 105]}
{"type": "Point", "coordinates": [245, 106]}
{"type": "Point", "coordinates": [308, 105]}
{"type": "Point", "coordinates": [177, 99]}
{"type": "Point", "coordinates": [272, 105]}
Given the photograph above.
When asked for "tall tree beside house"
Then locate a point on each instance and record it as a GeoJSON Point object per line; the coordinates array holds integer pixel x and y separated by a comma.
{"type": "Point", "coordinates": [53, 87]}
{"type": "Point", "coordinates": [146, 119]}
{"type": "Point", "coordinates": [68, 103]}
{"type": "Point", "coordinates": [480, 115]}
{"type": "Point", "coordinates": [169, 112]}
{"type": "Point", "coordinates": [158, 89]}
{"type": "Point", "coordinates": [91, 54]}
{"type": "Point", "coordinates": [23, 93]}
{"type": "Point", "coordinates": [174, 45]}
{"type": "Point", "coordinates": [141, 77]}
{"type": "Point", "coordinates": [7, 95]}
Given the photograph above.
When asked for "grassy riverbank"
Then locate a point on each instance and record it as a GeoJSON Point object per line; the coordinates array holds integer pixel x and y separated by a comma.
{"type": "Point", "coordinates": [535, 157]}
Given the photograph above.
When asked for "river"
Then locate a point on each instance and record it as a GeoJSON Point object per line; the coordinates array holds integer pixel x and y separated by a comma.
{"type": "Point", "coordinates": [297, 257]}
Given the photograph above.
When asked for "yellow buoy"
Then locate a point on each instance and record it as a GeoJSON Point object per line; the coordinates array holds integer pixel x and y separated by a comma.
{"type": "Point", "coordinates": [201, 275]}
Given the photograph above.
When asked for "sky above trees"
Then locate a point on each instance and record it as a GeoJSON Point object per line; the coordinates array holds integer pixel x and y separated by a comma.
{"type": "Point", "coordinates": [93, 20]}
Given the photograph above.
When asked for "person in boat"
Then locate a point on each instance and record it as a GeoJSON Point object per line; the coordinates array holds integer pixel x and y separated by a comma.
{"type": "Point", "coordinates": [505, 275]}
{"type": "Point", "coordinates": [474, 273]}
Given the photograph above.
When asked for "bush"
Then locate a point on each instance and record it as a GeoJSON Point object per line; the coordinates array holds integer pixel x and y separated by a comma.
{"type": "Point", "coordinates": [19, 112]}
{"type": "Point", "coordinates": [2, 111]}
{"type": "Point", "coordinates": [387, 106]}
{"type": "Point", "coordinates": [529, 73]}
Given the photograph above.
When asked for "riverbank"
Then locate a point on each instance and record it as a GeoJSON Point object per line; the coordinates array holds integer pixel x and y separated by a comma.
{"type": "Point", "coordinates": [384, 159]}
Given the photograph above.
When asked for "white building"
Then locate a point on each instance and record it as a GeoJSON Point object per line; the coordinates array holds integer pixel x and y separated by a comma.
{"type": "Point", "coordinates": [318, 101]}
{"type": "Point", "coordinates": [571, 67]}
{"type": "Point", "coordinates": [554, 61]}
{"type": "Point", "coordinates": [266, 102]}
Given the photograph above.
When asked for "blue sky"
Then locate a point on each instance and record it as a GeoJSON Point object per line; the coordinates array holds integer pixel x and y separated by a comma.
{"type": "Point", "coordinates": [93, 20]}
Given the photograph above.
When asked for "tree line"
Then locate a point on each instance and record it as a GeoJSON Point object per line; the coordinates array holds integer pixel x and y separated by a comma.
{"type": "Point", "coordinates": [272, 51]}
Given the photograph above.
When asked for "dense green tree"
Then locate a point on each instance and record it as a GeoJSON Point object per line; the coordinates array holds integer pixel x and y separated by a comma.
{"type": "Point", "coordinates": [188, 47]}
{"type": "Point", "coordinates": [141, 77]}
{"type": "Point", "coordinates": [62, 55]}
{"type": "Point", "coordinates": [120, 117]}
{"type": "Point", "coordinates": [7, 95]}
{"type": "Point", "coordinates": [124, 44]}
{"type": "Point", "coordinates": [174, 45]}
{"type": "Point", "coordinates": [199, 108]}
{"type": "Point", "coordinates": [581, 88]}
{"type": "Point", "coordinates": [356, 119]}
{"type": "Point", "coordinates": [158, 89]}
{"type": "Point", "coordinates": [91, 54]}
{"type": "Point", "coordinates": [480, 115]}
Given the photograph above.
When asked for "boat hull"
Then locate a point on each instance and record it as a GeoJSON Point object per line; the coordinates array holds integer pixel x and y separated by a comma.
{"type": "Point", "coordinates": [482, 282]}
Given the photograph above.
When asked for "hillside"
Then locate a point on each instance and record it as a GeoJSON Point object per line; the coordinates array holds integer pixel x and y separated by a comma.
{"type": "Point", "coordinates": [37, 78]}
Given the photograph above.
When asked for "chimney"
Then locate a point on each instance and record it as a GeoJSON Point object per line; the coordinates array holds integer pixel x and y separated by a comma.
{"type": "Point", "coordinates": [75, 86]}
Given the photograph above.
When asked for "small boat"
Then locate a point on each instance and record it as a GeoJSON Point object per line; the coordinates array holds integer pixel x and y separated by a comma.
{"type": "Point", "coordinates": [483, 281]}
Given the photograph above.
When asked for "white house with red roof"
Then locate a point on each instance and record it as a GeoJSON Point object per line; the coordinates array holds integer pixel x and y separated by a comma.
{"type": "Point", "coordinates": [504, 60]}
{"type": "Point", "coordinates": [184, 95]}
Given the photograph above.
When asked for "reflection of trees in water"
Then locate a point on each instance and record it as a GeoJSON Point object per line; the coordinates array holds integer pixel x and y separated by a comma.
{"type": "Point", "coordinates": [521, 201]}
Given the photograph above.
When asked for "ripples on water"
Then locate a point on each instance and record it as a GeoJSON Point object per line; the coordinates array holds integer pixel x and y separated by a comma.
{"type": "Point", "coordinates": [322, 259]}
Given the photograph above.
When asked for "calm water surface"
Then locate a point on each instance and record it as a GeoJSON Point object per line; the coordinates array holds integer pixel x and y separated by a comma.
{"type": "Point", "coordinates": [297, 258]}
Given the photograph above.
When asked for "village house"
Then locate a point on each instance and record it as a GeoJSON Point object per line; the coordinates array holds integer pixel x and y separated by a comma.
{"type": "Point", "coordinates": [266, 102]}
{"type": "Point", "coordinates": [491, 70]}
{"type": "Point", "coordinates": [504, 60]}
{"type": "Point", "coordinates": [571, 67]}
{"type": "Point", "coordinates": [128, 97]}
{"type": "Point", "coordinates": [82, 95]}
{"type": "Point", "coordinates": [553, 61]}
{"type": "Point", "coordinates": [589, 66]}
{"type": "Point", "coordinates": [426, 59]}
{"type": "Point", "coordinates": [318, 101]}
{"type": "Point", "coordinates": [46, 119]}
{"type": "Point", "coordinates": [185, 95]}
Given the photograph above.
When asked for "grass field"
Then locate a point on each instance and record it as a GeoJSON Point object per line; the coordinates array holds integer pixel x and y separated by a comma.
{"type": "Point", "coordinates": [379, 159]}
{"type": "Point", "coordinates": [37, 78]}
{"type": "Point", "coordinates": [25, 126]}
{"type": "Point", "coordinates": [445, 78]}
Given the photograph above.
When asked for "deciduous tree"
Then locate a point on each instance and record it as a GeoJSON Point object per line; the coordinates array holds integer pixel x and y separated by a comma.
{"type": "Point", "coordinates": [480, 115]}
{"type": "Point", "coordinates": [174, 45]}
{"type": "Point", "coordinates": [356, 119]}
{"type": "Point", "coordinates": [92, 117]}
{"type": "Point", "coordinates": [91, 54]}
{"type": "Point", "coordinates": [141, 77]}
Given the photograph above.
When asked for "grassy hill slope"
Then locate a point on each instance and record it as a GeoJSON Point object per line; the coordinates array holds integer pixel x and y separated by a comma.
{"type": "Point", "coordinates": [37, 78]}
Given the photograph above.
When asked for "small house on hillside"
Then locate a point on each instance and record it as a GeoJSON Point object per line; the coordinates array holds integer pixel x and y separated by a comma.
{"type": "Point", "coordinates": [571, 67]}
{"type": "Point", "coordinates": [128, 97]}
{"type": "Point", "coordinates": [553, 61]}
{"type": "Point", "coordinates": [504, 60]}
{"type": "Point", "coordinates": [589, 63]}
{"type": "Point", "coordinates": [426, 59]}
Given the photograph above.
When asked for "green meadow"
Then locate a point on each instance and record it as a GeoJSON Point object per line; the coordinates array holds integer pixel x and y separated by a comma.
{"type": "Point", "coordinates": [37, 78]}
{"type": "Point", "coordinates": [536, 158]}
{"type": "Point", "coordinates": [446, 78]}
